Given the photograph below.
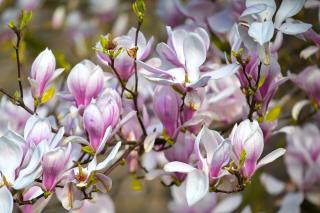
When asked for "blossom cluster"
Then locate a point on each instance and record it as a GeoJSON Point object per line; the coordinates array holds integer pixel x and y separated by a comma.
{"type": "Point", "coordinates": [186, 111]}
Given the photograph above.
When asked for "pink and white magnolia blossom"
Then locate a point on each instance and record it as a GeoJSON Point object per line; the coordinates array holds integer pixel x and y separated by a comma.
{"type": "Point", "coordinates": [181, 60]}
{"type": "Point", "coordinates": [210, 203]}
{"type": "Point", "coordinates": [308, 81]}
{"type": "Point", "coordinates": [43, 72]}
{"type": "Point", "coordinates": [101, 117]}
{"type": "Point", "coordinates": [166, 104]}
{"type": "Point", "coordinates": [248, 137]}
{"type": "Point", "coordinates": [256, 27]}
{"type": "Point", "coordinates": [85, 82]}
{"type": "Point", "coordinates": [54, 164]}
{"type": "Point", "coordinates": [209, 165]}
{"type": "Point", "coordinates": [303, 157]}
{"type": "Point", "coordinates": [123, 63]}
{"type": "Point", "coordinates": [19, 165]}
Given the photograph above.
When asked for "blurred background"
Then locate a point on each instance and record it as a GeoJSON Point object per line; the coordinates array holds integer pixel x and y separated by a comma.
{"type": "Point", "coordinates": [71, 28]}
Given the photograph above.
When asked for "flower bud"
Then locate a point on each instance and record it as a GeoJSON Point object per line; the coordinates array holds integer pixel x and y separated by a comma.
{"type": "Point", "coordinates": [247, 137]}
{"type": "Point", "coordinates": [85, 82]}
{"type": "Point", "coordinates": [37, 130]}
{"type": "Point", "coordinates": [166, 107]}
{"type": "Point", "coordinates": [99, 116]}
{"type": "Point", "coordinates": [42, 72]}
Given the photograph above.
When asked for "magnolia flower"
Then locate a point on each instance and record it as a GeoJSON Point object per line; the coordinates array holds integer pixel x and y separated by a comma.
{"type": "Point", "coordinates": [209, 166]}
{"type": "Point", "coordinates": [303, 156]}
{"type": "Point", "coordinates": [182, 58]}
{"type": "Point", "coordinates": [210, 203]}
{"type": "Point", "coordinates": [99, 118]}
{"type": "Point", "coordinates": [54, 164]}
{"type": "Point", "coordinates": [258, 18]}
{"type": "Point", "coordinates": [308, 81]}
{"type": "Point", "coordinates": [19, 166]}
{"type": "Point", "coordinates": [30, 194]}
{"type": "Point", "coordinates": [169, 12]}
{"type": "Point", "coordinates": [38, 130]}
{"type": "Point", "coordinates": [100, 203]}
{"type": "Point", "coordinates": [248, 138]}
{"type": "Point", "coordinates": [95, 170]}
{"type": "Point", "coordinates": [85, 82]}
{"type": "Point", "coordinates": [43, 72]}
{"type": "Point", "coordinates": [124, 63]}
{"type": "Point", "coordinates": [166, 104]}
{"type": "Point", "coordinates": [225, 100]}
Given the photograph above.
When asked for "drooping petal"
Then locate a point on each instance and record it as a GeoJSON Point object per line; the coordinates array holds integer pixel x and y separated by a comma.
{"type": "Point", "coordinates": [262, 32]}
{"type": "Point", "coordinates": [6, 200]}
{"type": "Point", "coordinates": [105, 163]}
{"type": "Point", "coordinates": [104, 139]}
{"type": "Point", "coordinates": [229, 204]}
{"type": "Point", "coordinates": [177, 166]}
{"type": "Point", "coordinates": [294, 28]}
{"type": "Point", "coordinates": [288, 8]}
{"type": "Point", "coordinates": [271, 157]}
{"type": "Point", "coordinates": [11, 154]}
{"type": "Point", "coordinates": [224, 71]}
{"type": "Point", "coordinates": [197, 186]}
{"type": "Point", "coordinates": [195, 55]}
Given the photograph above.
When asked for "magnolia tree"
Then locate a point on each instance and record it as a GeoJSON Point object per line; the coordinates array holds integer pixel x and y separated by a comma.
{"type": "Point", "coordinates": [194, 111]}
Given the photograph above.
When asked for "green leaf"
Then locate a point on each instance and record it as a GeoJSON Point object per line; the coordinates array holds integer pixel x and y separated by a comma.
{"type": "Point", "coordinates": [48, 95]}
{"type": "Point", "coordinates": [11, 24]}
{"type": "Point", "coordinates": [25, 18]}
{"type": "Point", "coordinates": [88, 149]}
{"type": "Point", "coordinates": [139, 8]}
{"type": "Point", "coordinates": [103, 41]}
{"type": "Point", "coordinates": [273, 114]}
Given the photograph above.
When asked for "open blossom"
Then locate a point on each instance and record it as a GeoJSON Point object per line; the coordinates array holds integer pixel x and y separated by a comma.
{"type": "Point", "coordinates": [308, 81]}
{"type": "Point", "coordinates": [85, 82]}
{"type": "Point", "coordinates": [247, 137]}
{"type": "Point", "coordinates": [99, 118]}
{"type": "Point", "coordinates": [43, 72]}
{"type": "Point", "coordinates": [225, 100]}
{"type": "Point", "coordinates": [303, 156]}
{"type": "Point", "coordinates": [182, 57]}
{"type": "Point", "coordinates": [19, 165]}
{"type": "Point", "coordinates": [166, 105]}
{"type": "Point", "coordinates": [123, 63]}
{"type": "Point", "coordinates": [209, 166]}
{"type": "Point", "coordinates": [257, 28]}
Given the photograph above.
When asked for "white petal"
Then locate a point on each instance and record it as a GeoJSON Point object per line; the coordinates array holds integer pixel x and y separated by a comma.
{"type": "Point", "coordinates": [6, 200]}
{"type": "Point", "coordinates": [222, 72]}
{"type": "Point", "coordinates": [291, 203]}
{"type": "Point", "coordinates": [272, 156]}
{"type": "Point", "coordinates": [195, 55]}
{"type": "Point", "coordinates": [288, 8]}
{"type": "Point", "coordinates": [178, 37]}
{"type": "Point", "coordinates": [262, 32]}
{"type": "Point", "coordinates": [177, 166]}
{"type": "Point", "coordinates": [296, 109]}
{"type": "Point", "coordinates": [10, 156]}
{"type": "Point", "coordinates": [272, 185]}
{"type": "Point", "coordinates": [309, 51]}
{"type": "Point", "coordinates": [197, 186]}
{"type": "Point", "coordinates": [57, 138]}
{"type": "Point", "coordinates": [104, 139]}
{"type": "Point", "coordinates": [294, 28]}
{"type": "Point", "coordinates": [29, 125]}
{"type": "Point", "coordinates": [104, 164]}
{"type": "Point", "coordinates": [149, 141]}
{"type": "Point", "coordinates": [254, 9]}
{"type": "Point", "coordinates": [229, 204]}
